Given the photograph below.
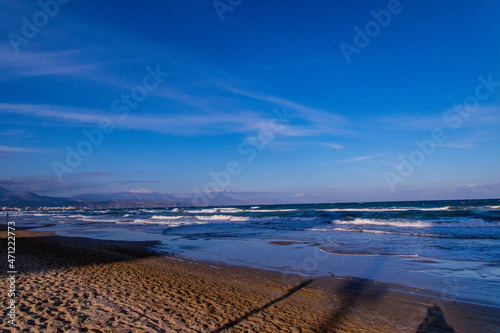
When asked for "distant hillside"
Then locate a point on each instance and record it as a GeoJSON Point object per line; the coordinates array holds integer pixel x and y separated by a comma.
{"type": "Point", "coordinates": [128, 200]}
{"type": "Point", "coordinates": [113, 200]}
{"type": "Point", "coordinates": [30, 199]}
{"type": "Point", "coordinates": [211, 199]}
{"type": "Point", "coordinates": [138, 196]}
{"type": "Point", "coordinates": [139, 199]}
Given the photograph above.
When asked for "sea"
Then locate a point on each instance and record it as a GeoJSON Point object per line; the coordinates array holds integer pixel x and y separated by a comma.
{"type": "Point", "coordinates": [451, 248]}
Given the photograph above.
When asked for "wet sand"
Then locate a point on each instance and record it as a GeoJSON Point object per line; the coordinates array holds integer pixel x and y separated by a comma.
{"type": "Point", "coordinates": [70, 284]}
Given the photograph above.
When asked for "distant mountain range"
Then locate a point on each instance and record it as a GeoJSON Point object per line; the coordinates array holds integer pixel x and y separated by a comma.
{"type": "Point", "coordinates": [114, 200]}
{"type": "Point", "coordinates": [11, 199]}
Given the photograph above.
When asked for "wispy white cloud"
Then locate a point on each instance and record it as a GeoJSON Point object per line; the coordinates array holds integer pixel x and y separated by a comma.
{"type": "Point", "coordinates": [230, 112]}
{"type": "Point", "coordinates": [56, 112]}
{"type": "Point", "coordinates": [483, 115]}
{"type": "Point", "coordinates": [37, 63]}
{"type": "Point", "coordinates": [332, 145]}
{"type": "Point", "coordinates": [319, 121]}
{"type": "Point", "coordinates": [184, 124]}
{"type": "Point", "coordinates": [356, 159]}
{"type": "Point", "coordinates": [9, 149]}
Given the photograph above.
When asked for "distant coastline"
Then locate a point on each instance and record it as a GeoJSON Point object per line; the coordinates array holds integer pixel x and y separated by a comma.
{"type": "Point", "coordinates": [10, 201]}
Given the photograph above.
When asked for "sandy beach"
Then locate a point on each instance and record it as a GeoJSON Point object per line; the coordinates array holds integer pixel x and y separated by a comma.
{"type": "Point", "coordinates": [67, 284]}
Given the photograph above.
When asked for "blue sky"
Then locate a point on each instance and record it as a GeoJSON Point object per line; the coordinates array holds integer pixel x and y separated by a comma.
{"type": "Point", "coordinates": [268, 88]}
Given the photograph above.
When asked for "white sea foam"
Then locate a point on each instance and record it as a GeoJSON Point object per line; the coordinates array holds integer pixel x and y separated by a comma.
{"type": "Point", "coordinates": [203, 211]}
{"type": "Point", "coordinates": [231, 210]}
{"type": "Point", "coordinates": [167, 223]}
{"type": "Point", "coordinates": [161, 217]}
{"type": "Point", "coordinates": [103, 220]}
{"type": "Point", "coordinates": [383, 232]}
{"type": "Point", "coordinates": [221, 218]}
{"type": "Point", "coordinates": [393, 223]}
{"type": "Point", "coordinates": [218, 217]}
{"type": "Point", "coordinates": [380, 209]}
{"type": "Point", "coordinates": [270, 210]}
{"type": "Point", "coordinates": [463, 223]}
{"type": "Point", "coordinates": [216, 210]}
{"type": "Point", "coordinates": [71, 216]}
{"type": "Point", "coordinates": [100, 211]}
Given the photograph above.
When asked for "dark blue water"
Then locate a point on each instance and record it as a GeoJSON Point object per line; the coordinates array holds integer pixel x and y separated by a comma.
{"type": "Point", "coordinates": [429, 244]}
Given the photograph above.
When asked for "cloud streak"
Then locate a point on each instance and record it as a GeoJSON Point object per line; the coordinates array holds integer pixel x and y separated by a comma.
{"type": "Point", "coordinates": [332, 145]}
{"type": "Point", "coordinates": [185, 124]}
{"type": "Point", "coordinates": [356, 159]}
{"type": "Point", "coordinates": [23, 150]}
{"type": "Point", "coordinates": [319, 121]}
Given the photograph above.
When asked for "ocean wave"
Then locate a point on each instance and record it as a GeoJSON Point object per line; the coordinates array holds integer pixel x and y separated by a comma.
{"type": "Point", "coordinates": [464, 223]}
{"type": "Point", "coordinates": [385, 232]}
{"type": "Point", "coordinates": [392, 223]}
{"type": "Point", "coordinates": [167, 223]}
{"type": "Point", "coordinates": [162, 217]}
{"type": "Point", "coordinates": [469, 223]}
{"type": "Point", "coordinates": [271, 210]}
{"type": "Point", "coordinates": [103, 220]}
{"type": "Point", "coordinates": [388, 209]}
{"type": "Point", "coordinates": [332, 249]}
{"type": "Point", "coordinates": [371, 231]}
{"type": "Point", "coordinates": [145, 210]}
{"type": "Point", "coordinates": [215, 210]}
{"type": "Point", "coordinates": [62, 217]}
{"type": "Point", "coordinates": [221, 218]}
{"type": "Point", "coordinates": [231, 210]}
{"type": "Point", "coordinates": [457, 234]}
{"type": "Point", "coordinates": [218, 217]}
{"type": "Point", "coordinates": [203, 211]}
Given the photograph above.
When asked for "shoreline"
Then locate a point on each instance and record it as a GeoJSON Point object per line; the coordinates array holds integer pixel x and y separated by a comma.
{"type": "Point", "coordinates": [445, 268]}
{"type": "Point", "coordinates": [73, 284]}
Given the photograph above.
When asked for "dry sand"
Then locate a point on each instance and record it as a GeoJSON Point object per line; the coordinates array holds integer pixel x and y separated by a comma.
{"type": "Point", "coordinates": [83, 285]}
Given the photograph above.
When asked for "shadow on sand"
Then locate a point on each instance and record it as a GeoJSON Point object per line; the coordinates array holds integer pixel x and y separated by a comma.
{"type": "Point", "coordinates": [45, 252]}
{"type": "Point", "coordinates": [262, 308]}
{"type": "Point", "coordinates": [362, 292]}
{"type": "Point", "coordinates": [352, 293]}
{"type": "Point", "coordinates": [434, 322]}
